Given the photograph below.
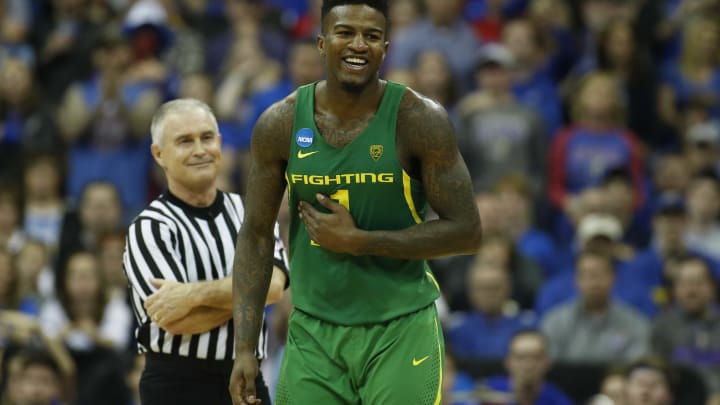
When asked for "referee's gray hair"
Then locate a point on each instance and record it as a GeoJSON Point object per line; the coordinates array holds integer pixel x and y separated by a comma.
{"type": "Point", "coordinates": [182, 104]}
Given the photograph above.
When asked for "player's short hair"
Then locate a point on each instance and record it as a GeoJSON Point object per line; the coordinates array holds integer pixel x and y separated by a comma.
{"type": "Point", "coordinates": [379, 5]}
{"type": "Point", "coordinates": [157, 127]}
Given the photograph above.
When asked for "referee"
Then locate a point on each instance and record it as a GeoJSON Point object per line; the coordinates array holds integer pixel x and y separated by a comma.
{"type": "Point", "coordinates": [178, 261]}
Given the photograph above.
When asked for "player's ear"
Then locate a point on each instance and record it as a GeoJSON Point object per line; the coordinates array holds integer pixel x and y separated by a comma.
{"type": "Point", "coordinates": [320, 40]}
{"type": "Point", "coordinates": [386, 45]}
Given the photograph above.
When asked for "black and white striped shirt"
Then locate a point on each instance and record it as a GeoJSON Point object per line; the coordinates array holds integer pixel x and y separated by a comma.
{"type": "Point", "coordinates": [172, 240]}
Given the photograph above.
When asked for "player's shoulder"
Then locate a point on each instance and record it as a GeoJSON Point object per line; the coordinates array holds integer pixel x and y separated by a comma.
{"type": "Point", "coordinates": [279, 114]}
{"type": "Point", "coordinates": [273, 130]}
{"type": "Point", "coordinates": [416, 107]}
{"type": "Point", "coordinates": [421, 117]}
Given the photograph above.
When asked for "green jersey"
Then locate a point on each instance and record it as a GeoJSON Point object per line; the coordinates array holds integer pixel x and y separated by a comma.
{"type": "Point", "coordinates": [366, 177]}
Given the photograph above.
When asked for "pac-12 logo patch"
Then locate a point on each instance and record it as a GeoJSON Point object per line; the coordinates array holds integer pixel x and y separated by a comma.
{"type": "Point", "coordinates": [304, 137]}
{"type": "Point", "coordinates": [376, 151]}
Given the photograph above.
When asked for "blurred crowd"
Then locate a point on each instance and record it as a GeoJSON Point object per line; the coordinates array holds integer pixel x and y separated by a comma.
{"type": "Point", "coordinates": [591, 129]}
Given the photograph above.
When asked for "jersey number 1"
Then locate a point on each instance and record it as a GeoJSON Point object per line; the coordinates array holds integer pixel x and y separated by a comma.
{"type": "Point", "coordinates": [343, 198]}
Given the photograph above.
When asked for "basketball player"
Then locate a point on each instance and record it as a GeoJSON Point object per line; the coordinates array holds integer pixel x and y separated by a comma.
{"type": "Point", "coordinates": [361, 158]}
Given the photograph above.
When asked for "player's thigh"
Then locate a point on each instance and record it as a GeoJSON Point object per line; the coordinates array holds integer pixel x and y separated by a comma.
{"type": "Point", "coordinates": [410, 370]}
{"type": "Point", "coordinates": [308, 374]}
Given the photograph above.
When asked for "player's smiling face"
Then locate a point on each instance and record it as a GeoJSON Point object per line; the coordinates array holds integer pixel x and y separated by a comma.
{"type": "Point", "coordinates": [353, 43]}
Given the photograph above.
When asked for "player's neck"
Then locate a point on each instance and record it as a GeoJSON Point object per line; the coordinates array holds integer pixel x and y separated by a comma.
{"type": "Point", "coordinates": [341, 102]}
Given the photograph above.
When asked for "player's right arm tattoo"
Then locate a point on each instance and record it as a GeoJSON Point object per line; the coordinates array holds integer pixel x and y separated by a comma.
{"type": "Point", "coordinates": [255, 243]}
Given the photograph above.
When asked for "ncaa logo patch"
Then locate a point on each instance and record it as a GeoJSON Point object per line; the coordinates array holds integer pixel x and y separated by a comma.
{"type": "Point", "coordinates": [304, 137]}
{"type": "Point", "coordinates": [376, 151]}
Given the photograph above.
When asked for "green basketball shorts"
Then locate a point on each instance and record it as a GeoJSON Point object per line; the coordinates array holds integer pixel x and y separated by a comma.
{"type": "Point", "coordinates": [395, 362]}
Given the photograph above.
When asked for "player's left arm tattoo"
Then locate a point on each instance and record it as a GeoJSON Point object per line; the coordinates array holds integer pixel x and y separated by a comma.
{"type": "Point", "coordinates": [426, 136]}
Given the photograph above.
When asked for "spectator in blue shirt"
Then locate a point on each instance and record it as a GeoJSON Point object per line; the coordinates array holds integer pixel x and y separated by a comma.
{"type": "Point", "coordinates": [433, 77]}
{"type": "Point", "coordinates": [618, 186]}
{"type": "Point", "coordinates": [595, 327]}
{"type": "Point", "coordinates": [696, 76]}
{"type": "Point", "coordinates": [533, 86]}
{"type": "Point", "coordinates": [485, 331]}
{"type": "Point", "coordinates": [599, 232]}
{"type": "Point", "coordinates": [650, 267]}
{"type": "Point", "coordinates": [622, 53]}
{"type": "Point", "coordinates": [244, 20]}
{"type": "Point", "coordinates": [527, 363]}
{"type": "Point", "coordinates": [597, 142]}
{"type": "Point", "coordinates": [105, 121]}
{"type": "Point", "coordinates": [443, 29]}
{"type": "Point", "coordinates": [27, 124]}
{"type": "Point", "coordinates": [703, 210]}
{"type": "Point", "coordinates": [515, 195]}
{"type": "Point", "coordinates": [687, 333]}
{"type": "Point", "coordinates": [498, 251]}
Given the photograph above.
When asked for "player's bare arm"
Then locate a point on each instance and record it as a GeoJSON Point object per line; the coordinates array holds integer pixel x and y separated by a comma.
{"type": "Point", "coordinates": [426, 135]}
{"type": "Point", "coordinates": [255, 243]}
{"type": "Point", "coordinates": [428, 151]}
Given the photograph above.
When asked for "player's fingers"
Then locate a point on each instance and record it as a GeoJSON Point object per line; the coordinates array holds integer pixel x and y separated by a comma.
{"type": "Point", "coordinates": [310, 228]}
{"type": "Point", "coordinates": [249, 391]}
{"type": "Point", "coordinates": [309, 220]}
{"type": "Point", "coordinates": [236, 386]}
{"type": "Point", "coordinates": [237, 399]}
{"type": "Point", "coordinates": [236, 393]}
{"type": "Point", "coordinates": [307, 210]}
{"type": "Point", "coordinates": [327, 203]}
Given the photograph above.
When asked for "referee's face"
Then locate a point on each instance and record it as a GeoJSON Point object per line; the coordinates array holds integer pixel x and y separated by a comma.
{"type": "Point", "coordinates": [189, 152]}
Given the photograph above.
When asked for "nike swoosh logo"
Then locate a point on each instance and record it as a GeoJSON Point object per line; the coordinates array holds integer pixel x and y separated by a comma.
{"type": "Point", "coordinates": [302, 155]}
{"type": "Point", "coordinates": [418, 362]}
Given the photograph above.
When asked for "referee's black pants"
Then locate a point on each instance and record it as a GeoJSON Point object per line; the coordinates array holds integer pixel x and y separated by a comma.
{"type": "Point", "coordinates": [178, 380]}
